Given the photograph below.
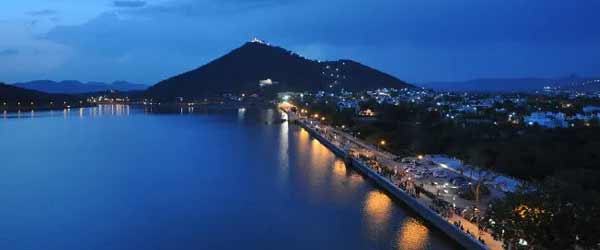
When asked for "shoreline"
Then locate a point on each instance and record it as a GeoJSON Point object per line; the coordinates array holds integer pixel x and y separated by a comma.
{"type": "Point", "coordinates": [428, 215]}
{"type": "Point", "coordinates": [11, 110]}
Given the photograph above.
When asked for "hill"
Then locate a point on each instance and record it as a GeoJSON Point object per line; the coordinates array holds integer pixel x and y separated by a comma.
{"type": "Point", "coordinates": [245, 68]}
{"type": "Point", "coordinates": [13, 94]}
{"type": "Point", "coordinates": [77, 87]}
{"type": "Point", "coordinates": [12, 97]}
{"type": "Point", "coordinates": [492, 85]}
{"type": "Point", "coordinates": [589, 85]}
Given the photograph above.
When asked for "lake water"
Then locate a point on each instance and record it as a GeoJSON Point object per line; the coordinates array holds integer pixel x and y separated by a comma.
{"type": "Point", "coordinates": [115, 177]}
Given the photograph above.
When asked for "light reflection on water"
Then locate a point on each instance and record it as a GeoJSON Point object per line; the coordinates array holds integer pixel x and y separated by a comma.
{"type": "Point", "coordinates": [283, 149]}
{"type": "Point", "coordinates": [413, 235]}
{"type": "Point", "coordinates": [315, 189]}
{"type": "Point", "coordinates": [319, 158]}
{"type": "Point", "coordinates": [241, 114]}
{"type": "Point", "coordinates": [98, 111]}
{"type": "Point", "coordinates": [343, 182]}
{"type": "Point", "coordinates": [379, 210]}
{"type": "Point", "coordinates": [377, 207]}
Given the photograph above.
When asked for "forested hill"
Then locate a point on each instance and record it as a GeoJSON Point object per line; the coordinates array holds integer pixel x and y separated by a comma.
{"type": "Point", "coordinates": [241, 71]}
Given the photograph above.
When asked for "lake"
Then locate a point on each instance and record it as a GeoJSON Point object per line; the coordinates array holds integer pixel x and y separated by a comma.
{"type": "Point", "coordinates": [119, 177]}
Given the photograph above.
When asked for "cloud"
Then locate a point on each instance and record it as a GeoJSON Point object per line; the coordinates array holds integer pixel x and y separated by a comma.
{"type": "Point", "coordinates": [414, 40]}
{"type": "Point", "coordinates": [9, 52]}
{"type": "Point", "coordinates": [129, 4]}
{"type": "Point", "coordinates": [391, 21]}
{"type": "Point", "coordinates": [46, 12]}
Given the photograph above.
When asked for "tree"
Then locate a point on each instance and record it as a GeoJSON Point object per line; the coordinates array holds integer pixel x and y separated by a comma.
{"type": "Point", "coordinates": [548, 215]}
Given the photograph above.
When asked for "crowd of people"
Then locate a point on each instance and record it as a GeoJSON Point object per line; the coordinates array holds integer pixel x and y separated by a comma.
{"type": "Point", "coordinates": [405, 181]}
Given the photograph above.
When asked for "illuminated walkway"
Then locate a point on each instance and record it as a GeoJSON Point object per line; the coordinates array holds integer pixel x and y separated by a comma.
{"type": "Point", "coordinates": [348, 142]}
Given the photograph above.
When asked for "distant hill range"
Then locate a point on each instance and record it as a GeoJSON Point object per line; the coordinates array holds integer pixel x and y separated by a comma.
{"type": "Point", "coordinates": [77, 87]}
{"type": "Point", "coordinates": [572, 82]}
{"type": "Point", "coordinates": [12, 96]}
{"type": "Point", "coordinates": [583, 85]}
{"type": "Point", "coordinates": [257, 66]}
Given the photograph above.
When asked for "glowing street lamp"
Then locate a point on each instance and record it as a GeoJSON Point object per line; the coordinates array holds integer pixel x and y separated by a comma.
{"type": "Point", "coordinates": [381, 144]}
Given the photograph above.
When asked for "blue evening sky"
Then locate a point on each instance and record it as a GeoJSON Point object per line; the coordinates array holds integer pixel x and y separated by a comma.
{"type": "Point", "coordinates": [416, 40]}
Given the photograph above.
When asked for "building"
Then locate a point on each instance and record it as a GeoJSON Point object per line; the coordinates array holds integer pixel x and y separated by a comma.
{"type": "Point", "coordinates": [547, 119]}
{"type": "Point", "coordinates": [267, 82]}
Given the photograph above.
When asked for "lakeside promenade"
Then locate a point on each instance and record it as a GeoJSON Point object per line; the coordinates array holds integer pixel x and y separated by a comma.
{"type": "Point", "coordinates": [451, 224]}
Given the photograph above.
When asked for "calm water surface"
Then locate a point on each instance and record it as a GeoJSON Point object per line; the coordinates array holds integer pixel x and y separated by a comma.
{"type": "Point", "coordinates": [116, 177]}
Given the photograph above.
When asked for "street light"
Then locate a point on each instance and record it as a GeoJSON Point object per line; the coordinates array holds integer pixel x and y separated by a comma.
{"type": "Point", "coordinates": [381, 143]}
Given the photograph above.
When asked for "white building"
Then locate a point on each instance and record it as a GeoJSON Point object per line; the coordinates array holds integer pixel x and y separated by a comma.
{"type": "Point", "coordinates": [547, 119]}
{"type": "Point", "coordinates": [267, 82]}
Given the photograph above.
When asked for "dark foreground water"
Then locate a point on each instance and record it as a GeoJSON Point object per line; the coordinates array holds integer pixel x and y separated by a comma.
{"type": "Point", "coordinates": [119, 178]}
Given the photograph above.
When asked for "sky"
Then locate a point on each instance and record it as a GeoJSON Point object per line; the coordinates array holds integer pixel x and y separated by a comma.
{"type": "Point", "coordinates": [145, 41]}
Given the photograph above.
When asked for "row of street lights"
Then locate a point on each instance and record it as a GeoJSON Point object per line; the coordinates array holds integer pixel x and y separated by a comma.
{"type": "Point", "coordinates": [322, 118]}
{"type": "Point", "coordinates": [382, 142]}
{"type": "Point", "coordinates": [33, 103]}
